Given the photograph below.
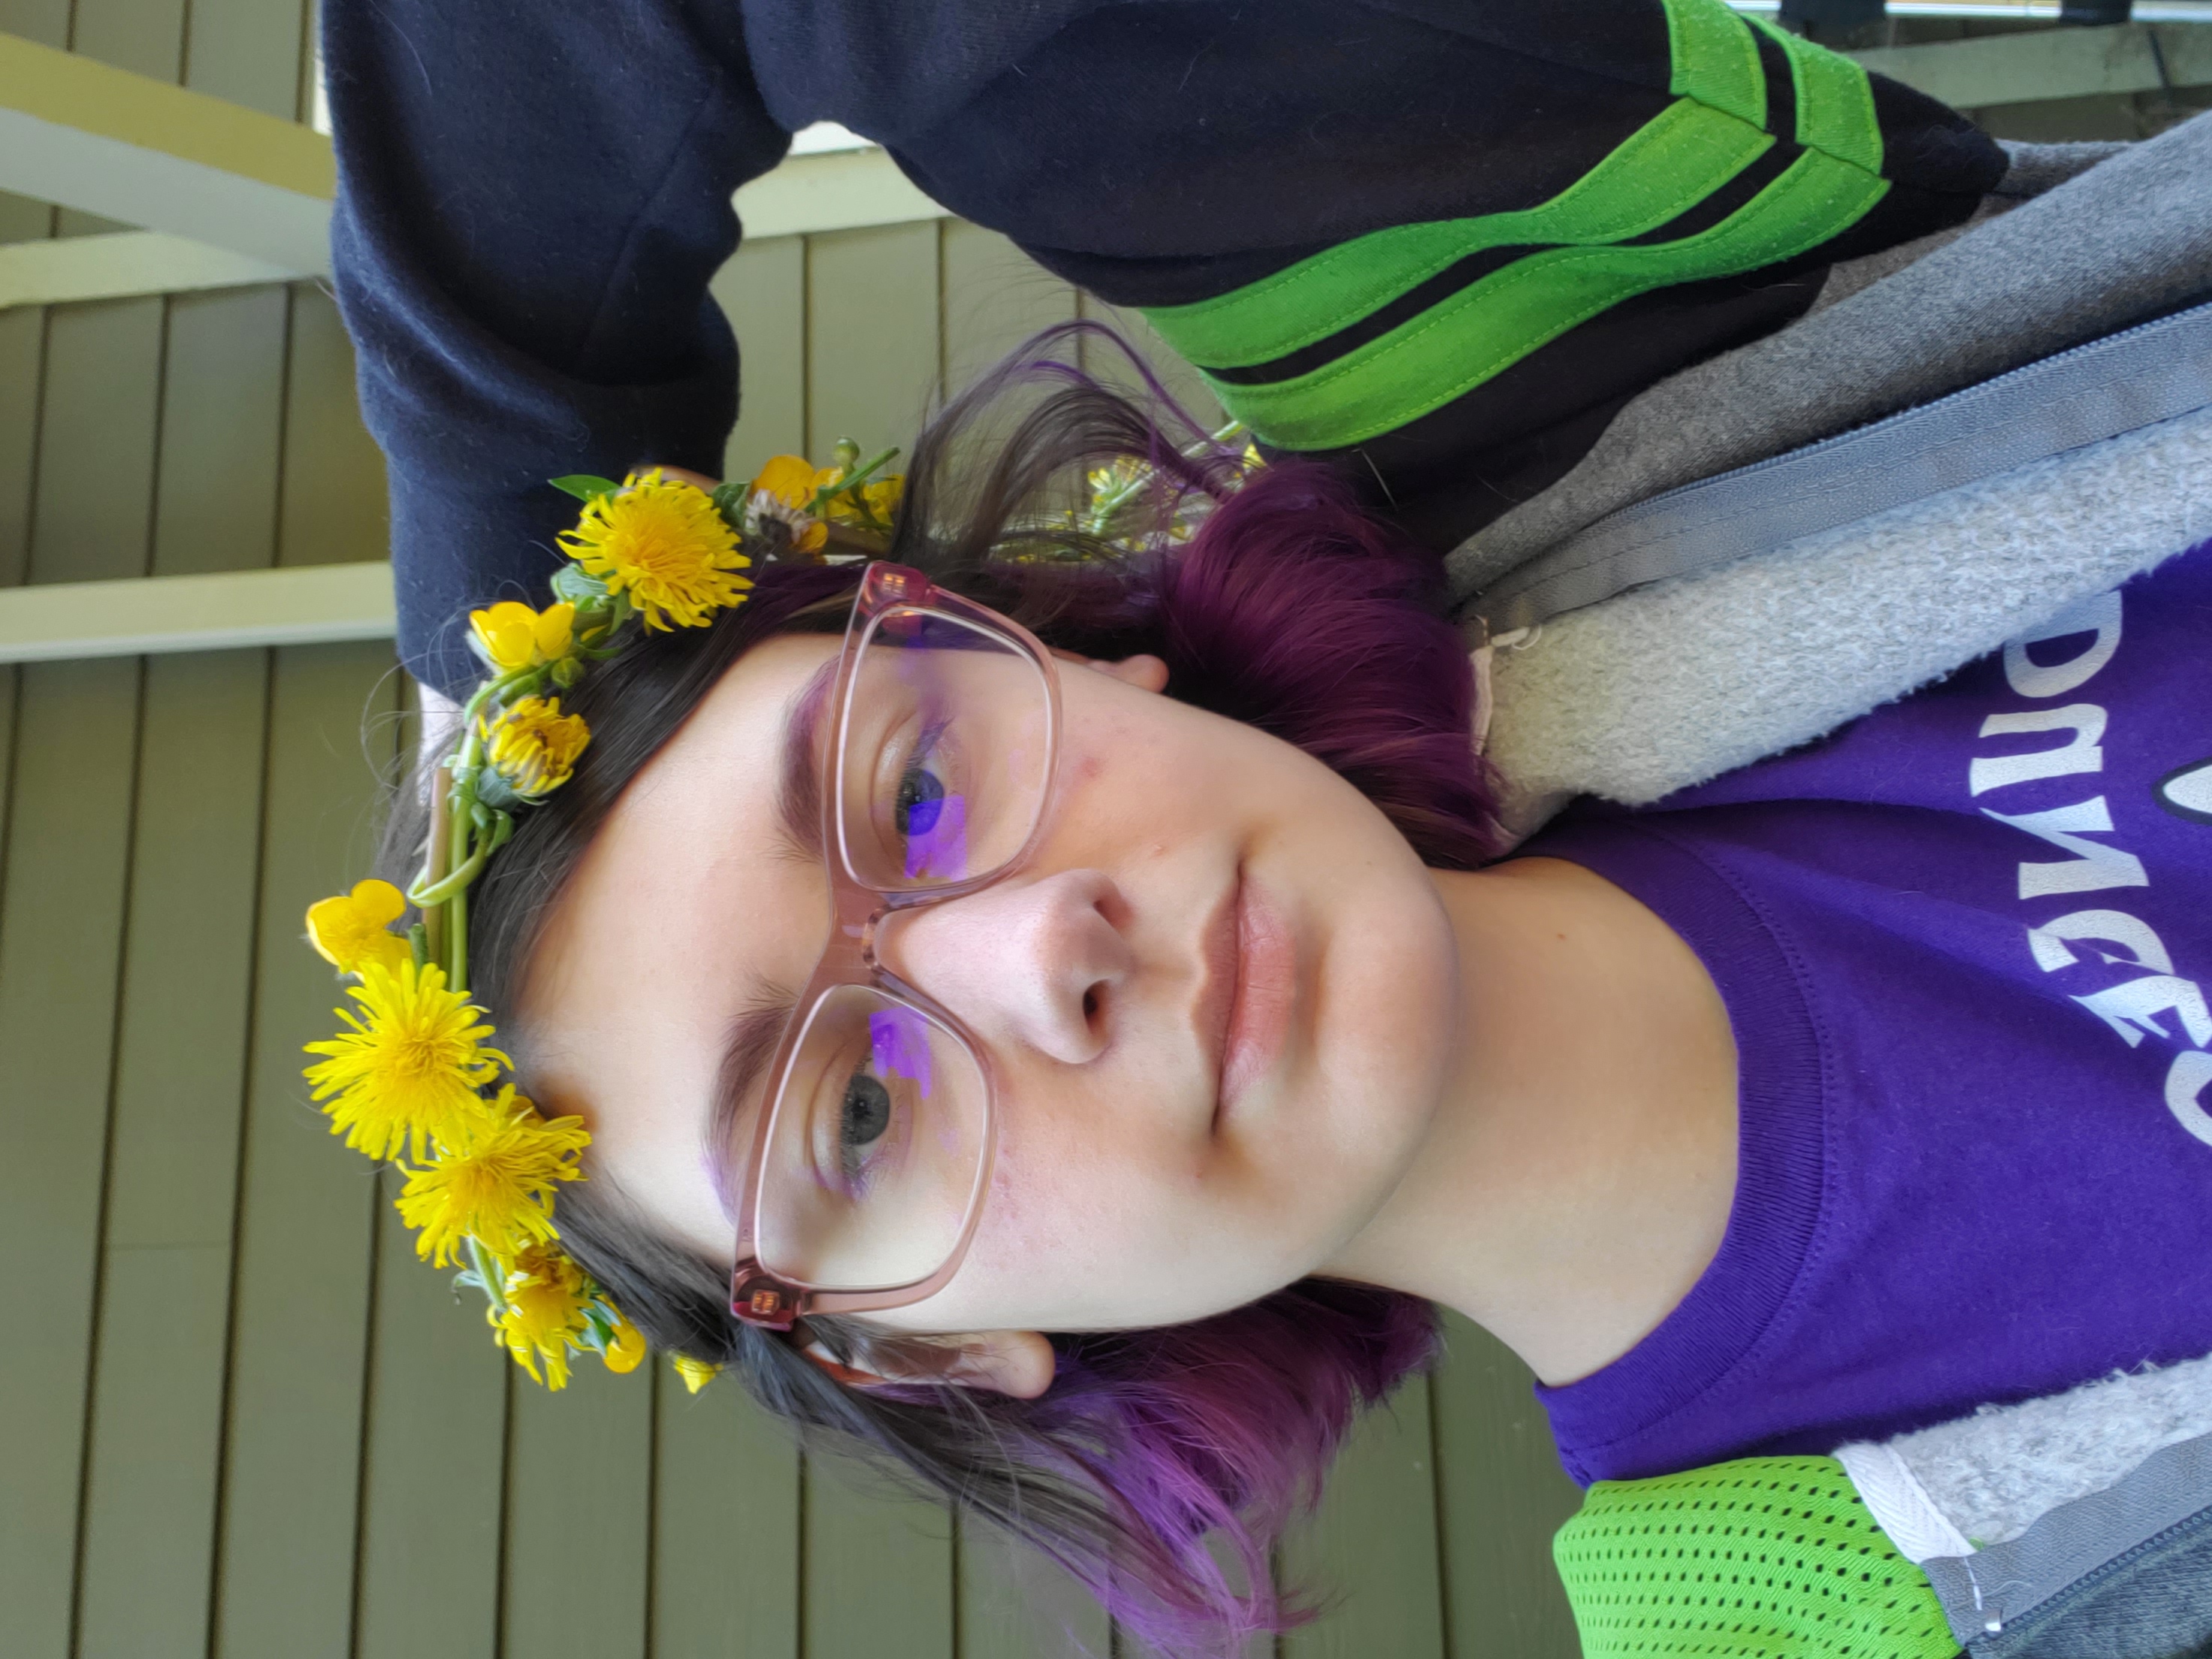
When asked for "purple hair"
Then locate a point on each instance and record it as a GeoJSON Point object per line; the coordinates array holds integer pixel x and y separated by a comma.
{"type": "Point", "coordinates": [1291, 609]}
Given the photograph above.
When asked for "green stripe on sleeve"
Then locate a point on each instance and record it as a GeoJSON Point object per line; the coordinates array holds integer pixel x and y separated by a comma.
{"type": "Point", "coordinates": [1835, 102]}
{"type": "Point", "coordinates": [1659, 172]}
{"type": "Point", "coordinates": [1464, 339]}
{"type": "Point", "coordinates": [1715, 61]}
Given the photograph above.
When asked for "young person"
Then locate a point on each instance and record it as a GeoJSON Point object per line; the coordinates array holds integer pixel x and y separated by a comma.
{"type": "Point", "coordinates": [1670, 1102]}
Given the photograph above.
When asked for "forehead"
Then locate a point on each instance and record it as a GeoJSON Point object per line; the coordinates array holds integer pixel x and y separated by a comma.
{"type": "Point", "coordinates": [686, 901]}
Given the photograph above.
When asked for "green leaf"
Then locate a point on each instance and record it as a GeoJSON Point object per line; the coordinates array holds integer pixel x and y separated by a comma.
{"type": "Point", "coordinates": [493, 790]}
{"type": "Point", "coordinates": [729, 501]}
{"type": "Point", "coordinates": [577, 585]}
{"type": "Point", "coordinates": [584, 485]}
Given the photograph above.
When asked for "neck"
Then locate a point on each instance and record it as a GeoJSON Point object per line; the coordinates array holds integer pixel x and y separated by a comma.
{"type": "Point", "coordinates": [1577, 1175]}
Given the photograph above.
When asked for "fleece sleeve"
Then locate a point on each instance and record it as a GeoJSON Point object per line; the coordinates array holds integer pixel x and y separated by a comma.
{"type": "Point", "coordinates": [531, 201]}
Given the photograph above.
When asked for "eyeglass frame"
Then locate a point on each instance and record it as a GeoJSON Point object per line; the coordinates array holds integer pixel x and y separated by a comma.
{"type": "Point", "coordinates": [758, 1296]}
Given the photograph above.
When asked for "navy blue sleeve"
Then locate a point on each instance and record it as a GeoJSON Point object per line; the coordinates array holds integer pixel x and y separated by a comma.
{"type": "Point", "coordinates": [531, 200]}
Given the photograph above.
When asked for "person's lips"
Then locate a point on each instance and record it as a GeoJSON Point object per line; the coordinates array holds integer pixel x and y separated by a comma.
{"type": "Point", "coordinates": [1244, 1008]}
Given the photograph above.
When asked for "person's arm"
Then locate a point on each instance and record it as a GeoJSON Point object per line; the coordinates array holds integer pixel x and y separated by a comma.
{"type": "Point", "coordinates": [531, 200]}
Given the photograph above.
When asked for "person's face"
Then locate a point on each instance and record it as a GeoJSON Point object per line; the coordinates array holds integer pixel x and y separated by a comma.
{"type": "Point", "coordinates": [1178, 1134]}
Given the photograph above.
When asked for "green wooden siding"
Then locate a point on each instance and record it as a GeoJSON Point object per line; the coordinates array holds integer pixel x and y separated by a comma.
{"type": "Point", "coordinates": [237, 1417]}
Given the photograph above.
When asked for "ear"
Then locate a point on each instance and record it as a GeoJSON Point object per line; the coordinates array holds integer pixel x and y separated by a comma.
{"type": "Point", "coordinates": [1145, 673]}
{"type": "Point", "coordinates": [1018, 1363]}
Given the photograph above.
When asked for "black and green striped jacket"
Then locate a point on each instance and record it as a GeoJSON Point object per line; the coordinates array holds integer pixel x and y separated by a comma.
{"type": "Point", "coordinates": [1443, 240]}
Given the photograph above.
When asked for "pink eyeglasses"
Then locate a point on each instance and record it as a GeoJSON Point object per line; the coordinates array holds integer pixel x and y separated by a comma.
{"type": "Point", "coordinates": [866, 1177]}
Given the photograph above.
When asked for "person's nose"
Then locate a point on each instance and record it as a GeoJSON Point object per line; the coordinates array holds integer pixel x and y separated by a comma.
{"type": "Point", "coordinates": [1034, 962]}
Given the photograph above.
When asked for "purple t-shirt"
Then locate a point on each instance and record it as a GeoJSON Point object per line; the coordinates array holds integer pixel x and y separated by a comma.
{"type": "Point", "coordinates": [1962, 944]}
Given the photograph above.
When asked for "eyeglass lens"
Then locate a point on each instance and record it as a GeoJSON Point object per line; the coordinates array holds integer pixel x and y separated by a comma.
{"type": "Point", "coordinates": [882, 1130]}
{"type": "Point", "coordinates": [945, 743]}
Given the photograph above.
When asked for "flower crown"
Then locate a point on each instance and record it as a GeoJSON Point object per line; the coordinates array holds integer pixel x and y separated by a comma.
{"type": "Point", "coordinates": [412, 1079]}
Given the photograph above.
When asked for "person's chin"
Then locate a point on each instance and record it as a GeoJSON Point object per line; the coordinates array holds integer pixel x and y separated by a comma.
{"type": "Point", "coordinates": [1384, 1000]}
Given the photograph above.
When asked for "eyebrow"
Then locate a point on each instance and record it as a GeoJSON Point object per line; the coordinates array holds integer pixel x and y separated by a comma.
{"type": "Point", "coordinates": [799, 787]}
{"type": "Point", "coordinates": [751, 1043]}
{"type": "Point", "coordinates": [753, 1035]}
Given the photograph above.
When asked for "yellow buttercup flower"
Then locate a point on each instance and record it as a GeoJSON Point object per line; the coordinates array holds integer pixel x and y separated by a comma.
{"type": "Point", "coordinates": [510, 636]}
{"type": "Point", "coordinates": [794, 481]}
{"type": "Point", "coordinates": [354, 928]}
{"type": "Point", "coordinates": [534, 746]}
{"type": "Point", "coordinates": [497, 1190]}
{"type": "Point", "coordinates": [408, 1073]}
{"type": "Point", "coordinates": [547, 1298]}
{"type": "Point", "coordinates": [697, 1373]}
{"type": "Point", "coordinates": [627, 1351]}
{"type": "Point", "coordinates": [661, 541]}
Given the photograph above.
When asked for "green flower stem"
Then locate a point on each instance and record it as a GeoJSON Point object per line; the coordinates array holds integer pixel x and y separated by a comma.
{"type": "Point", "coordinates": [434, 866]}
{"type": "Point", "coordinates": [460, 843]}
{"type": "Point", "coordinates": [463, 835]}
{"type": "Point", "coordinates": [484, 694]}
{"type": "Point", "coordinates": [457, 944]}
{"type": "Point", "coordinates": [850, 485]}
{"type": "Point", "coordinates": [480, 1260]}
{"type": "Point", "coordinates": [451, 894]}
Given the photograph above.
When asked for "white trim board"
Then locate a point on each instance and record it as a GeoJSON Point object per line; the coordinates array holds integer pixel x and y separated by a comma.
{"type": "Point", "coordinates": [2050, 63]}
{"type": "Point", "coordinates": [121, 265]}
{"type": "Point", "coordinates": [85, 135]}
{"type": "Point", "coordinates": [833, 189]}
{"type": "Point", "coordinates": [309, 605]}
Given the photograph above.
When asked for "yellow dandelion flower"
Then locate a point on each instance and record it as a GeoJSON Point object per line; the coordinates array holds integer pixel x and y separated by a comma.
{"type": "Point", "coordinates": [409, 1073]}
{"type": "Point", "coordinates": [499, 1190]}
{"type": "Point", "coordinates": [661, 541]}
{"type": "Point", "coordinates": [627, 1351]}
{"type": "Point", "coordinates": [547, 1298]}
{"type": "Point", "coordinates": [534, 746]}
{"type": "Point", "coordinates": [511, 635]}
{"type": "Point", "coordinates": [353, 928]}
{"type": "Point", "coordinates": [697, 1373]}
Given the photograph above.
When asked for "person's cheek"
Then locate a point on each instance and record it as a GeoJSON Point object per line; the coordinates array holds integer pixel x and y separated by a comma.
{"type": "Point", "coordinates": [1088, 1228]}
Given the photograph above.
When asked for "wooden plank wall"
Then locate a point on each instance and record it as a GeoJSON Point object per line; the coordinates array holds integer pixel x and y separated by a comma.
{"type": "Point", "coordinates": [237, 1418]}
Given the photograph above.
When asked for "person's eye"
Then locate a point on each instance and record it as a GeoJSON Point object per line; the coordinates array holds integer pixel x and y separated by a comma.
{"type": "Point", "coordinates": [926, 809]}
{"type": "Point", "coordinates": [864, 1118]}
{"type": "Point", "coordinates": [920, 801]}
